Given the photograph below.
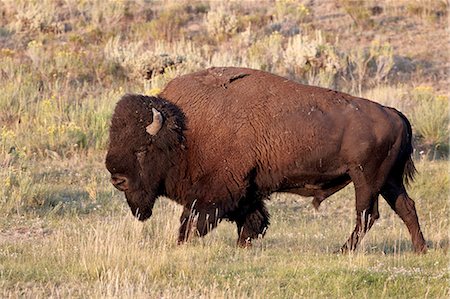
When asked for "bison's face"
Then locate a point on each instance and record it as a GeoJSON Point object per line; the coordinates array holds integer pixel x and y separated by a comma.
{"type": "Point", "coordinates": [131, 175]}
{"type": "Point", "coordinates": [136, 160]}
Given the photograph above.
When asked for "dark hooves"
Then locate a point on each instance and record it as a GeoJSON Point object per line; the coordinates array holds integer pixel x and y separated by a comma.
{"type": "Point", "coordinates": [244, 243]}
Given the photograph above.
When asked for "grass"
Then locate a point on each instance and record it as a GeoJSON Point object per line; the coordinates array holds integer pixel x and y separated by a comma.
{"type": "Point", "coordinates": [64, 230]}
{"type": "Point", "coordinates": [82, 241]}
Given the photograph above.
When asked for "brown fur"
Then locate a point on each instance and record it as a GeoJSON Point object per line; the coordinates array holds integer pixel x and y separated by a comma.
{"type": "Point", "coordinates": [233, 136]}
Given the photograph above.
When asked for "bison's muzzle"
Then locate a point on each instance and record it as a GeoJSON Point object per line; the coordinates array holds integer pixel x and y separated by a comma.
{"type": "Point", "coordinates": [120, 182]}
{"type": "Point", "coordinates": [141, 204]}
{"type": "Point", "coordinates": [142, 216]}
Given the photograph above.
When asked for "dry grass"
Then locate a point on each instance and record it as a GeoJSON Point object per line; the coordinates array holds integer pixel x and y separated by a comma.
{"type": "Point", "coordinates": [90, 245]}
{"type": "Point", "coordinates": [66, 233]}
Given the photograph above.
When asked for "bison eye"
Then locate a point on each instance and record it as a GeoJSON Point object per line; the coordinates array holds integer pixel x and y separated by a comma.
{"type": "Point", "coordinates": [141, 155]}
{"type": "Point", "coordinates": [141, 150]}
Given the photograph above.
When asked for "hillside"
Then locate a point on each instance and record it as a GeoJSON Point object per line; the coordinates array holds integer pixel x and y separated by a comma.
{"type": "Point", "coordinates": [66, 232]}
{"type": "Point", "coordinates": [77, 51]}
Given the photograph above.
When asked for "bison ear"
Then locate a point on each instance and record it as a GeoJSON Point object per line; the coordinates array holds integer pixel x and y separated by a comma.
{"type": "Point", "coordinates": [156, 125]}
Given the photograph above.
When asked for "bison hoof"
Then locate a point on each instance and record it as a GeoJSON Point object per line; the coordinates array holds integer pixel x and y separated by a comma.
{"type": "Point", "coordinates": [343, 250]}
{"type": "Point", "coordinates": [247, 243]}
{"type": "Point", "coordinates": [316, 203]}
{"type": "Point", "coordinates": [421, 249]}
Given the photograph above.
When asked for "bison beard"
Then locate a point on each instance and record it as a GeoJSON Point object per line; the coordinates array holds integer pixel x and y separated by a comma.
{"type": "Point", "coordinates": [220, 141]}
{"type": "Point", "coordinates": [141, 204]}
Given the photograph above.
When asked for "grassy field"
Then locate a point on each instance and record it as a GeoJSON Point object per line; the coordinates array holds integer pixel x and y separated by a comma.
{"type": "Point", "coordinates": [82, 241]}
{"type": "Point", "coordinates": [66, 232]}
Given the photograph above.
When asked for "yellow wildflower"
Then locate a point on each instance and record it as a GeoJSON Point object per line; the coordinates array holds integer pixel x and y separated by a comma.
{"type": "Point", "coordinates": [7, 182]}
{"type": "Point", "coordinates": [7, 134]}
{"type": "Point", "coordinates": [424, 89]}
{"type": "Point", "coordinates": [153, 92]}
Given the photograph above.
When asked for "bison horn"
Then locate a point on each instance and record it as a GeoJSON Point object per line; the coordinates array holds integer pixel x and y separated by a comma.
{"type": "Point", "coordinates": [156, 125]}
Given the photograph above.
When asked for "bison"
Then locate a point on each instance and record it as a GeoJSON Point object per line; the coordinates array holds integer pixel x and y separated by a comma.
{"type": "Point", "coordinates": [221, 140]}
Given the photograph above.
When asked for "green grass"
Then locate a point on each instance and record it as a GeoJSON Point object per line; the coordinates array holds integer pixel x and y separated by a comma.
{"type": "Point", "coordinates": [82, 241]}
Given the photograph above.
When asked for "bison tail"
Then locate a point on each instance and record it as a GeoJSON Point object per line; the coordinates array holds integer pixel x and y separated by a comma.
{"type": "Point", "coordinates": [409, 170]}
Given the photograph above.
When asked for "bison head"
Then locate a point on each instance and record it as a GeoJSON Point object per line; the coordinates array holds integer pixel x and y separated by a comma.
{"type": "Point", "coordinates": [146, 141]}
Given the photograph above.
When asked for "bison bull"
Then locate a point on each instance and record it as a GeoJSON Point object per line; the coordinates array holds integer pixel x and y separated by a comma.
{"type": "Point", "coordinates": [221, 140]}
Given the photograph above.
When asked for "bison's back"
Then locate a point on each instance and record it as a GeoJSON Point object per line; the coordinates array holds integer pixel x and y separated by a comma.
{"type": "Point", "coordinates": [240, 119]}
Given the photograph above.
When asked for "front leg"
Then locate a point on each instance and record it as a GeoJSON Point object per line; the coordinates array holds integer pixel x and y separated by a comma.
{"type": "Point", "coordinates": [185, 229]}
{"type": "Point", "coordinates": [193, 222]}
{"type": "Point", "coordinates": [252, 225]}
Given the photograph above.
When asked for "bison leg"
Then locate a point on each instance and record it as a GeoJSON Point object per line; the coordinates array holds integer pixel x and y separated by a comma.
{"type": "Point", "coordinates": [395, 194]}
{"type": "Point", "coordinates": [365, 218]}
{"type": "Point", "coordinates": [195, 223]}
{"type": "Point", "coordinates": [366, 212]}
{"type": "Point", "coordinates": [252, 225]}
{"type": "Point", "coordinates": [186, 222]}
{"type": "Point", "coordinates": [324, 194]}
{"type": "Point", "coordinates": [329, 190]}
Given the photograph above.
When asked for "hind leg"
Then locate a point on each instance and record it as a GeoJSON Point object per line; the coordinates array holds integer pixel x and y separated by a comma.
{"type": "Point", "coordinates": [395, 194]}
{"type": "Point", "coordinates": [365, 218]}
{"type": "Point", "coordinates": [330, 190]}
{"type": "Point", "coordinates": [252, 224]}
{"type": "Point", "coordinates": [366, 212]}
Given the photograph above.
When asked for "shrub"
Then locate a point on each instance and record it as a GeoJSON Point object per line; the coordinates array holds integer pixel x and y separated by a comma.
{"type": "Point", "coordinates": [34, 16]}
{"type": "Point", "coordinates": [311, 60]}
{"type": "Point", "coordinates": [221, 23]}
{"type": "Point", "coordinates": [370, 66]}
{"type": "Point", "coordinates": [291, 10]}
{"type": "Point", "coordinates": [432, 10]}
{"type": "Point", "coordinates": [37, 53]}
{"type": "Point", "coordinates": [383, 60]}
{"type": "Point", "coordinates": [358, 12]}
{"type": "Point", "coordinates": [266, 53]}
{"type": "Point", "coordinates": [254, 21]}
{"type": "Point", "coordinates": [123, 54]}
{"type": "Point", "coordinates": [169, 23]}
{"type": "Point", "coordinates": [104, 15]}
{"type": "Point", "coordinates": [72, 65]}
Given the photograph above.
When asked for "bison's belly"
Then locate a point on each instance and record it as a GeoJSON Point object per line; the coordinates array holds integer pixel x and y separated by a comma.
{"type": "Point", "coordinates": [320, 187]}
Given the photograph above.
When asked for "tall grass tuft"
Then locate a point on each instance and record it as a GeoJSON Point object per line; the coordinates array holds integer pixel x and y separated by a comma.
{"type": "Point", "coordinates": [431, 121]}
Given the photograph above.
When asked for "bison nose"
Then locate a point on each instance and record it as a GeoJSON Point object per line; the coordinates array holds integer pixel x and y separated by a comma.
{"type": "Point", "coordinates": [120, 182]}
